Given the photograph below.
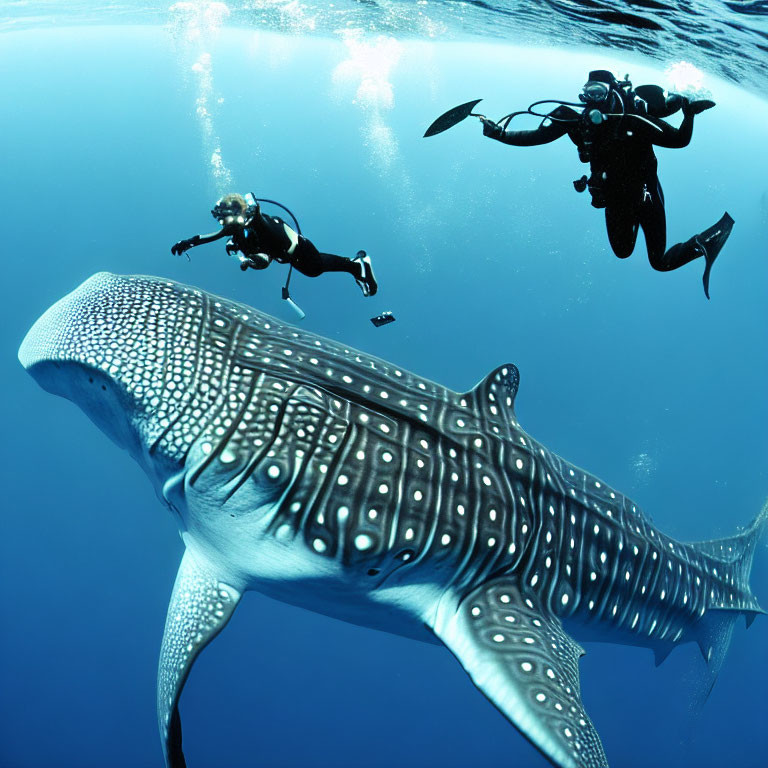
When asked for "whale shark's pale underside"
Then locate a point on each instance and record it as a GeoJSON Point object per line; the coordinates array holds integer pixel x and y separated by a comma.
{"type": "Point", "coordinates": [336, 481]}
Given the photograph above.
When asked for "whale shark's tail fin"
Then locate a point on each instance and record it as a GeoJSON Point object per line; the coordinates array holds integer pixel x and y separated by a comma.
{"type": "Point", "coordinates": [730, 595]}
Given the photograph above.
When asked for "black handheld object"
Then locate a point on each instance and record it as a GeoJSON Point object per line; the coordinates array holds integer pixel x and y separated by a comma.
{"type": "Point", "coordinates": [383, 319]}
{"type": "Point", "coordinates": [452, 117]}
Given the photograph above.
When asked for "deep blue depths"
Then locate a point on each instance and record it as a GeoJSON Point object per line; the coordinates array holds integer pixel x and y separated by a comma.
{"type": "Point", "coordinates": [486, 255]}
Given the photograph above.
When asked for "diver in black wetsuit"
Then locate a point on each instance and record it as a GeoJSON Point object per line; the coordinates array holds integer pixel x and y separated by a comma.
{"type": "Point", "coordinates": [260, 239]}
{"type": "Point", "coordinates": [615, 133]}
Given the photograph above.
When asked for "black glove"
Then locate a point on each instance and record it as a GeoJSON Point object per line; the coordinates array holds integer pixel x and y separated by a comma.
{"type": "Point", "coordinates": [494, 130]}
{"type": "Point", "coordinates": [693, 107]}
{"type": "Point", "coordinates": [183, 245]}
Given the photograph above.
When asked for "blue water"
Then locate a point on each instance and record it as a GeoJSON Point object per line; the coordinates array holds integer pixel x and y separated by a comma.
{"type": "Point", "coordinates": [486, 255]}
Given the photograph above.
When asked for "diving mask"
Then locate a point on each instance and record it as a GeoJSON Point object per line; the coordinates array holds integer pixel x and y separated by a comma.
{"type": "Point", "coordinates": [595, 92]}
{"type": "Point", "coordinates": [222, 211]}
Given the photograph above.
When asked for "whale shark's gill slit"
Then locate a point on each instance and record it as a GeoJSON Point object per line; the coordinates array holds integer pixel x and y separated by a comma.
{"type": "Point", "coordinates": [261, 454]}
{"type": "Point", "coordinates": [321, 501]}
{"type": "Point", "coordinates": [394, 522]}
{"type": "Point", "coordinates": [172, 424]}
{"type": "Point", "coordinates": [230, 431]}
{"type": "Point", "coordinates": [347, 535]}
{"type": "Point", "coordinates": [283, 515]}
{"type": "Point", "coordinates": [312, 503]}
{"type": "Point", "coordinates": [336, 463]}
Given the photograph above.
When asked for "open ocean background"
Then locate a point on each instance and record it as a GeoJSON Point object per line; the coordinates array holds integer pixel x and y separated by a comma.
{"type": "Point", "coordinates": [121, 126]}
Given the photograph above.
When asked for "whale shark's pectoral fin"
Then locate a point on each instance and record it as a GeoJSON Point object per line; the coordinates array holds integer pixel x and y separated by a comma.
{"type": "Point", "coordinates": [200, 607]}
{"type": "Point", "coordinates": [517, 654]}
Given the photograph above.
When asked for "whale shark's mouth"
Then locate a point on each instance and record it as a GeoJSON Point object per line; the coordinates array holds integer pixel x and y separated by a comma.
{"type": "Point", "coordinates": [53, 336]}
{"type": "Point", "coordinates": [81, 349]}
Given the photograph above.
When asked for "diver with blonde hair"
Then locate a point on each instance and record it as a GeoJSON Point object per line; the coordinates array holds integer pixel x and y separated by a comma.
{"type": "Point", "coordinates": [259, 239]}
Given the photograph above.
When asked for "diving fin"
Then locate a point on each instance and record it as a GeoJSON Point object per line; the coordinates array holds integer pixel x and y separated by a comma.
{"type": "Point", "coordinates": [367, 280]}
{"type": "Point", "coordinates": [697, 106]}
{"type": "Point", "coordinates": [711, 241]}
{"type": "Point", "coordinates": [451, 117]}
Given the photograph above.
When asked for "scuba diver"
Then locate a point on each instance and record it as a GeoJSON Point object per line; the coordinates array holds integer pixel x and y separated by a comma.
{"type": "Point", "coordinates": [258, 239]}
{"type": "Point", "coordinates": [615, 133]}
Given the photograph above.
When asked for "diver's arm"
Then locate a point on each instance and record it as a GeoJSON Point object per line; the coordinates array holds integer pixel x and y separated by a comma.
{"type": "Point", "coordinates": [665, 135]}
{"type": "Point", "coordinates": [259, 224]}
{"type": "Point", "coordinates": [551, 128]}
{"type": "Point", "coordinates": [680, 137]}
{"type": "Point", "coordinates": [191, 242]}
{"type": "Point", "coordinates": [541, 135]}
{"type": "Point", "coordinates": [203, 239]}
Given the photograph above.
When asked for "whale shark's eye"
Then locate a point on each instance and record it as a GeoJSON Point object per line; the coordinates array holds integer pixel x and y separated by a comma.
{"type": "Point", "coordinates": [373, 571]}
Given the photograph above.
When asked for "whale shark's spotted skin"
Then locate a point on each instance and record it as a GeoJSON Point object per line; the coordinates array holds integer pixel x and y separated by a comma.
{"type": "Point", "coordinates": [291, 459]}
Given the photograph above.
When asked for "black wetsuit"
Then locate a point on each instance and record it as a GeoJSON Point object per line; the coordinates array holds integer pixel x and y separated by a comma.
{"type": "Point", "coordinates": [261, 239]}
{"type": "Point", "coordinates": [272, 236]}
{"type": "Point", "coordinates": [623, 176]}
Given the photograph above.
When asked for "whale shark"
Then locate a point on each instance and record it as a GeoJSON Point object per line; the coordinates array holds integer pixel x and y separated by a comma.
{"type": "Point", "coordinates": [334, 480]}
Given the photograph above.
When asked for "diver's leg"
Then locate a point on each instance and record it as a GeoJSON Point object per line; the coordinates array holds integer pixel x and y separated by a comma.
{"type": "Point", "coordinates": [311, 262]}
{"type": "Point", "coordinates": [708, 244]}
{"type": "Point", "coordinates": [333, 263]}
{"type": "Point", "coordinates": [360, 268]}
{"type": "Point", "coordinates": [653, 220]}
{"type": "Point", "coordinates": [621, 221]}
{"type": "Point", "coordinates": [307, 259]}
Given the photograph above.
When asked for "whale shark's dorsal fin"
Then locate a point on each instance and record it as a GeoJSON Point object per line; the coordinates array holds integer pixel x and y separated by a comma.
{"type": "Point", "coordinates": [517, 653]}
{"type": "Point", "coordinates": [494, 396]}
{"type": "Point", "coordinates": [200, 607]}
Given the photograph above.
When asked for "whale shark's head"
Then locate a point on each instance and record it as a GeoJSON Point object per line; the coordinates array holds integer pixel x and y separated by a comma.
{"type": "Point", "coordinates": [128, 351]}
